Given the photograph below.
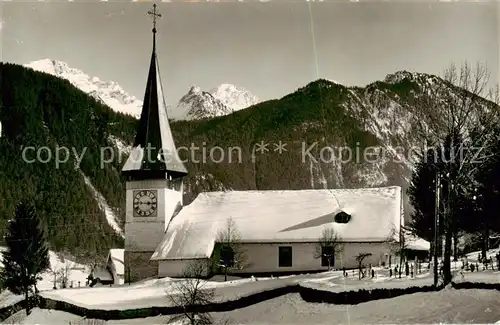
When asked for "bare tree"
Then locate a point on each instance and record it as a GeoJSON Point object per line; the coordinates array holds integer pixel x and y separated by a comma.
{"type": "Point", "coordinates": [231, 253]}
{"type": "Point", "coordinates": [55, 272]}
{"type": "Point", "coordinates": [61, 274]}
{"type": "Point", "coordinates": [328, 246]}
{"type": "Point", "coordinates": [459, 106]}
{"type": "Point", "coordinates": [191, 292]}
{"type": "Point", "coordinates": [65, 273]}
{"type": "Point", "coordinates": [359, 259]}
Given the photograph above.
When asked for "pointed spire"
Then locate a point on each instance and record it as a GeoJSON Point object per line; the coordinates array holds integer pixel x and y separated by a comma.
{"type": "Point", "coordinates": [154, 154]}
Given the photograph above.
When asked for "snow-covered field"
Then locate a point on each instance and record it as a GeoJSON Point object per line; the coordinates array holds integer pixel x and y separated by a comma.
{"type": "Point", "coordinates": [447, 306]}
{"type": "Point", "coordinates": [75, 273]}
{"type": "Point", "coordinates": [154, 293]}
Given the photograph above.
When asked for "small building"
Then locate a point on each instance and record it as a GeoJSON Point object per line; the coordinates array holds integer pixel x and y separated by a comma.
{"type": "Point", "coordinates": [112, 272]}
{"type": "Point", "coordinates": [416, 247]}
{"type": "Point", "coordinates": [279, 230]}
{"type": "Point", "coordinates": [100, 276]}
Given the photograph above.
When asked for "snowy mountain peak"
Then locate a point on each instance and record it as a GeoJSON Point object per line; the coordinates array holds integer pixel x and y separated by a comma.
{"type": "Point", "coordinates": [222, 100]}
{"type": "Point", "coordinates": [399, 76]}
{"type": "Point", "coordinates": [198, 104]}
{"type": "Point", "coordinates": [195, 90]}
{"type": "Point", "coordinates": [107, 92]}
{"type": "Point", "coordinates": [234, 96]}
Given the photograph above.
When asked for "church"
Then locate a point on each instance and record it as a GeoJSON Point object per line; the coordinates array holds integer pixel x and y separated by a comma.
{"type": "Point", "coordinates": [278, 230]}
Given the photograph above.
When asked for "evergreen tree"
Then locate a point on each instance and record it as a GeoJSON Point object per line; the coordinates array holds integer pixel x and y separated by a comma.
{"type": "Point", "coordinates": [421, 193]}
{"type": "Point", "coordinates": [27, 254]}
{"type": "Point", "coordinates": [488, 196]}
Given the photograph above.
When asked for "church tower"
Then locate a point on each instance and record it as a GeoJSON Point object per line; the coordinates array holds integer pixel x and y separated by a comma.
{"type": "Point", "coordinates": [154, 178]}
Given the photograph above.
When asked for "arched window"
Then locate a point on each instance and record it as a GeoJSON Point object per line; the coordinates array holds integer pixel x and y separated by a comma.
{"type": "Point", "coordinates": [342, 217]}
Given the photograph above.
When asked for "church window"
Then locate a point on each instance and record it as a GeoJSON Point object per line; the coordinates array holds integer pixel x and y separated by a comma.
{"type": "Point", "coordinates": [342, 217]}
{"type": "Point", "coordinates": [226, 256]}
{"type": "Point", "coordinates": [327, 252]}
{"type": "Point", "coordinates": [285, 256]}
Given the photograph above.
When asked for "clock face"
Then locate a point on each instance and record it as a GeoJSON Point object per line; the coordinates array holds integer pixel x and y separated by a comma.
{"type": "Point", "coordinates": [145, 203]}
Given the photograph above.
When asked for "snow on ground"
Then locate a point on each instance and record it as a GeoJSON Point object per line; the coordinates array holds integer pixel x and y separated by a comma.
{"type": "Point", "coordinates": [76, 272]}
{"type": "Point", "coordinates": [154, 292]}
{"type": "Point", "coordinates": [104, 206]}
{"type": "Point", "coordinates": [473, 257]}
{"type": "Point", "coordinates": [44, 317]}
{"type": "Point", "coordinates": [382, 280]}
{"type": "Point", "coordinates": [446, 306]}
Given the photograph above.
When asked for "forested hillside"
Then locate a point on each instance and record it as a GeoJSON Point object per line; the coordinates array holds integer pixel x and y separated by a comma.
{"type": "Point", "coordinates": [39, 110]}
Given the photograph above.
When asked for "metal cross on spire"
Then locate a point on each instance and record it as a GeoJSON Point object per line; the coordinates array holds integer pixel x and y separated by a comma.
{"type": "Point", "coordinates": [154, 14]}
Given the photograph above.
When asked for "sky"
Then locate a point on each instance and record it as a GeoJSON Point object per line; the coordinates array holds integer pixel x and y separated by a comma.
{"type": "Point", "coordinates": [271, 48]}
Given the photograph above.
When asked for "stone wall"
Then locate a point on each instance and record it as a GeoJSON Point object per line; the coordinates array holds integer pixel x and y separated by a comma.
{"type": "Point", "coordinates": [138, 266]}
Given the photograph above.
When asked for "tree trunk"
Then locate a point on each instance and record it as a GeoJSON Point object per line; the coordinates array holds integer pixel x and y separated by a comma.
{"type": "Point", "coordinates": [27, 301]}
{"type": "Point", "coordinates": [400, 263]}
{"type": "Point", "coordinates": [486, 235]}
{"type": "Point", "coordinates": [455, 246]}
{"type": "Point", "coordinates": [447, 258]}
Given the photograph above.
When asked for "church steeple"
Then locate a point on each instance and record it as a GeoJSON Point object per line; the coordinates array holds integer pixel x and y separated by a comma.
{"type": "Point", "coordinates": [154, 154]}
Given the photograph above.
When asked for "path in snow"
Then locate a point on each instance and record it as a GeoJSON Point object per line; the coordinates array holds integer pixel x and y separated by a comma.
{"type": "Point", "coordinates": [104, 206]}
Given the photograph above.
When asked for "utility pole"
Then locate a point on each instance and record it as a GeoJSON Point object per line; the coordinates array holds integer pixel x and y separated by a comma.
{"type": "Point", "coordinates": [436, 228]}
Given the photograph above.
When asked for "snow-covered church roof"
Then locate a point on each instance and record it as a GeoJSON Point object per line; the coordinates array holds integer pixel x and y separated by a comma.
{"type": "Point", "coordinates": [154, 154]}
{"type": "Point", "coordinates": [281, 216]}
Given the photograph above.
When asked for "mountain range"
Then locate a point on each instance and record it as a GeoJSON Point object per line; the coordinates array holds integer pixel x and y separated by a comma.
{"type": "Point", "coordinates": [324, 128]}
{"type": "Point", "coordinates": [196, 104]}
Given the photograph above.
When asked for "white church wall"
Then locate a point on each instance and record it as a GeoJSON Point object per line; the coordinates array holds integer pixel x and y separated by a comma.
{"type": "Point", "coordinates": [174, 268]}
{"type": "Point", "coordinates": [265, 257]}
